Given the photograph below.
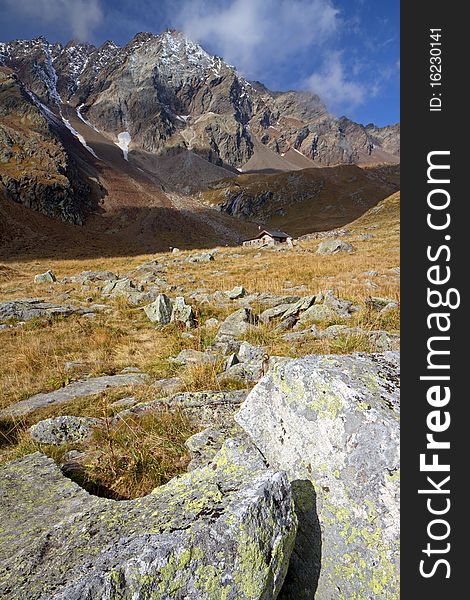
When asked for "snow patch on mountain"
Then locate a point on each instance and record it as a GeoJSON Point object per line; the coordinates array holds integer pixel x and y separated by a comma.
{"type": "Point", "coordinates": [79, 137]}
{"type": "Point", "coordinates": [124, 139]}
{"type": "Point", "coordinates": [82, 118]}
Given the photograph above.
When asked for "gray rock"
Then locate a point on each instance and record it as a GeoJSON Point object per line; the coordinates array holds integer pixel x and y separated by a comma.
{"type": "Point", "coordinates": [286, 324]}
{"type": "Point", "coordinates": [296, 336]}
{"type": "Point", "coordinates": [78, 389]}
{"type": "Point", "coordinates": [125, 288]}
{"type": "Point", "coordinates": [389, 307]}
{"type": "Point", "coordinates": [168, 386]}
{"type": "Point", "coordinates": [203, 446]}
{"type": "Point", "coordinates": [237, 323]}
{"type": "Point", "coordinates": [327, 307]}
{"type": "Point", "coordinates": [332, 422]}
{"type": "Point", "coordinates": [378, 303]}
{"type": "Point", "coordinates": [64, 430]}
{"type": "Point", "coordinates": [237, 292]}
{"type": "Point", "coordinates": [124, 402]}
{"type": "Point", "coordinates": [343, 308]}
{"type": "Point", "coordinates": [302, 305]}
{"type": "Point", "coordinates": [160, 310]}
{"type": "Point", "coordinates": [205, 409]}
{"type": "Point", "coordinates": [201, 258]}
{"type": "Point", "coordinates": [183, 313]}
{"type": "Point", "coordinates": [273, 313]}
{"type": "Point", "coordinates": [247, 352]}
{"type": "Point", "coordinates": [317, 313]}
{"type": "Point", "coordinates": [94, 276]}
{"type": "Point", "coordinates": [334, 247]}
{"type": "Point", "coordinates": [231, 361]}
{"type": "Point", "coordinates": [226, 530]}
{"type": "Point", "coordinates": [36, 308]}
{"type": "Point", "coordinates": [212, 323]}
{"type": "Point", "coordinates": [195, 357]}
{"type": "Point", "coordinates": [244, 373]}
{"type": "Point", "coordinates": [47, 277]}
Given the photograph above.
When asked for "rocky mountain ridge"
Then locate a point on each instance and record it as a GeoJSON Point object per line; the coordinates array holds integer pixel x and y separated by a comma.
{"type": "Point", "coordinates": [170, 95]}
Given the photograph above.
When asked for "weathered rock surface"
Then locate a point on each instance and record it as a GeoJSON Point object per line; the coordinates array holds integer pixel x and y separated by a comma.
{"type": "Point", "coordinates": [126, 288]}
{"type": "Point", "coordinates": [78, 389]}
{"type": "Point", "coordinates": [203, 408]}
{"type": "Point", "coordinates": [35, 308]}
{"type": "Point", "coordinates": [183, 313]}
{"type": "Point", "coordinates": [334, 247]}
{"type": "Point", "coordinates": [203, 446]}
{"type": "Point", "coordinates": [64, 430]}
{"type": "Point", "coordinates": [201, 258]}
{"type": "Point", "coordinates": [237, 292]}
{"type": "Point", "coordinates": [223, 531]}
{"type": "Point", "coordinates": [195, 357]}
{"type": "Point", "coordinates": [95, 276]}
{"type": "Point", "coordinates": [237, 324]}
{"type": "Point", "coordinates": [47, 277]}
{"type": "Point", "coordinates": [332, 421]}
{"type": "Point", "coordinates": [160, 310]}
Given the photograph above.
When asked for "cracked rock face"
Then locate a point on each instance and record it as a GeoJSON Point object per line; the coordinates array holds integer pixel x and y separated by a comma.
{"type": "Point", "coordinates": [333, 421]}
{"type": "Point", "coordinates": [222, 531]}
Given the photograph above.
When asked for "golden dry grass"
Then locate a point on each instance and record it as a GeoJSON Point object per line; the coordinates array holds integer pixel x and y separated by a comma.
{"type": "Point", "coordinates": [35, 355]}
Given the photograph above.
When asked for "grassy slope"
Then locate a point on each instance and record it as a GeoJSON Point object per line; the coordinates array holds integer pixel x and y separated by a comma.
{"type": "Point", "coordinates": [310, 199]}
{"type": "Point", "coordinates": [37, 352]}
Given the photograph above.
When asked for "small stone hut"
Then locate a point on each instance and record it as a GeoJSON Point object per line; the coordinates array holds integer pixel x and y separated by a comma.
{"type": "Point", "coordinates": [270, 237]}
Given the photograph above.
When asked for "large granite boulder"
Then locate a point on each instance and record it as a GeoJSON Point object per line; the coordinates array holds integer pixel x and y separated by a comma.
{"type": "Point", "coordinates": [222, 531]}
{"type": "Point", "coordinates": [332, 422]}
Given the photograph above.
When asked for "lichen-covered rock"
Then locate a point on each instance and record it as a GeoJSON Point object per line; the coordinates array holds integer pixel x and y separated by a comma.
{"type": "Point", "coordinates": [334, 247]}
{"type": "Point", "coordinates": [223, 531]}
{"type": "Point", "coordinates": [47, 277]}
{"type": "Point", "coordinates": [64, 430]}
{"type": "Point", "coordinates": [203, 446]}
{"type": "Point", "coordinates": [333, 421]}
{"type": "Point", "coordinates": [160, 310]}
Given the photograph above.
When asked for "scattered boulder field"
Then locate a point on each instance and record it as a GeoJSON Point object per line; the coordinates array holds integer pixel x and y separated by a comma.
{"type": "Point", "coordinates": [291, 491]}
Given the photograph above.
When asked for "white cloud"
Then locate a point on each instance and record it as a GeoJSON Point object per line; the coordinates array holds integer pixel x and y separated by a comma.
{"type": "Point", "coordinates": [333, 86]}
{"type": "Point", "coordinates": [79, 17]}
{"type": "Point", "coordinates": [253, 34]}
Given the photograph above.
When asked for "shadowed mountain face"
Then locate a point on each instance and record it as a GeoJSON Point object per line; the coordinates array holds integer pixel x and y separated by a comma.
{"type": "Point", "coordinates": [120, 138]}
{"type": "Point", "coordinates": [307, 200]}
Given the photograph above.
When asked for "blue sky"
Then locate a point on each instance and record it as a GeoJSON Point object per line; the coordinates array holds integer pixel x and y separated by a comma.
{"type": "Point", "coordinates": [347, 51]}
